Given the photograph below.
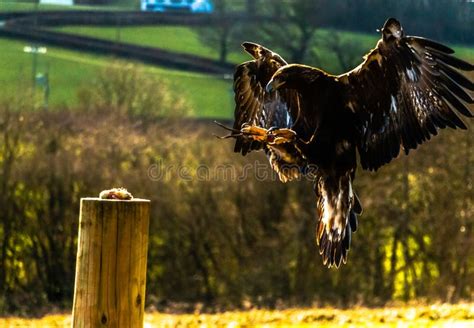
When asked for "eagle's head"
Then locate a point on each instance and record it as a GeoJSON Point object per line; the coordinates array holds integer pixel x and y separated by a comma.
{"type": "Point", "coordinates": [392, 30]}
{"type": "Point", "coordinates": [294, 76]}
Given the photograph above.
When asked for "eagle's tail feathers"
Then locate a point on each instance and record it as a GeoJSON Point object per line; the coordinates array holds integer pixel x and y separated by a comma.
{"type": "Point", "coordinates": [338, 208]}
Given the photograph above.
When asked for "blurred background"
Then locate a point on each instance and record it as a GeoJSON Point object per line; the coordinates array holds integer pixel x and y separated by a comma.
{"type": "Point", "coordinates": [102, 93]}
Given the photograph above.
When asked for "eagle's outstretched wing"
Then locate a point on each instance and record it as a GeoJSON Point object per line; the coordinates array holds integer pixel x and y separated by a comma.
{"type": "Point", "coordinates": [255, 106]}
{"type": "Point", "coordinates": [406, 89]}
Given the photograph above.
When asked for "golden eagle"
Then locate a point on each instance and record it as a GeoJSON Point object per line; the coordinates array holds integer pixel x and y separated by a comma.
{"type": "Point", "coordinates": [405, 90]}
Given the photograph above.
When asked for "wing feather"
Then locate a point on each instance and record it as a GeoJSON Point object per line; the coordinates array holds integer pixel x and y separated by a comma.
{"type": "Point", "coordinates": [406, 89]}
{"type": "Point", "coordinates": [253, 105]}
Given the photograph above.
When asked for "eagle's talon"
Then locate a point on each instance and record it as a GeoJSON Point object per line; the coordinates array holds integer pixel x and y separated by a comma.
{"type": "Point", "coordinates": [254, 132]}
{"type": "Point", "coordinates": [272, 136]}
{"type": "Point", "coordinates": [283, 136]}
{"type": "Point", "coordinates": [287, 133]}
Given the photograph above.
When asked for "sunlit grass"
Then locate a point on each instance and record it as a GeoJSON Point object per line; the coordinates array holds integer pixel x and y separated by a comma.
{"type": "Point", "coordinates": [441, 315]}
{"type": "Point", "coordinates": [209, 96]}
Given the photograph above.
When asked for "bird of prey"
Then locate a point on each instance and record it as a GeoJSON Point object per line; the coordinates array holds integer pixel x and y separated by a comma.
{"type": "Point", "coordinates": [311, 122]}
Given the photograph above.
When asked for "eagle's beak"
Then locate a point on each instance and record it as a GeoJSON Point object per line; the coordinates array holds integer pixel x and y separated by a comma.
{"type": "Point", "coordinates": [273, 85]}
{"type": "Point", "coordinates": [269, 87]}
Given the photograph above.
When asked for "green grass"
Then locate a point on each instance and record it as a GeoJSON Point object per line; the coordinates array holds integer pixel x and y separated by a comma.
{"type": "Point", "coordinates": [173, 38]}
{"type": "Point", "coordinates": [69, 71]}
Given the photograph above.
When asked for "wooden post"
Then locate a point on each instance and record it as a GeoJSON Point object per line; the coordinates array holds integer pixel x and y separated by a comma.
{"type": "Point", "coordinates": [111, 263]}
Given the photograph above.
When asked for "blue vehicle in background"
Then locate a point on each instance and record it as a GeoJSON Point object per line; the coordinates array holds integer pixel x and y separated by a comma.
{"type": "Point", "coordinates": [193, 6]}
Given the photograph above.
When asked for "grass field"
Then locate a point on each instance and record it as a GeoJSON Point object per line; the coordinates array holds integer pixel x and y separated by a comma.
{"type": "Point", "coordinates": [69, 71]}
{"type": "Point", "coordinates": [442, 315]}
{"type": "Point", "coordinates": [174, 38]}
